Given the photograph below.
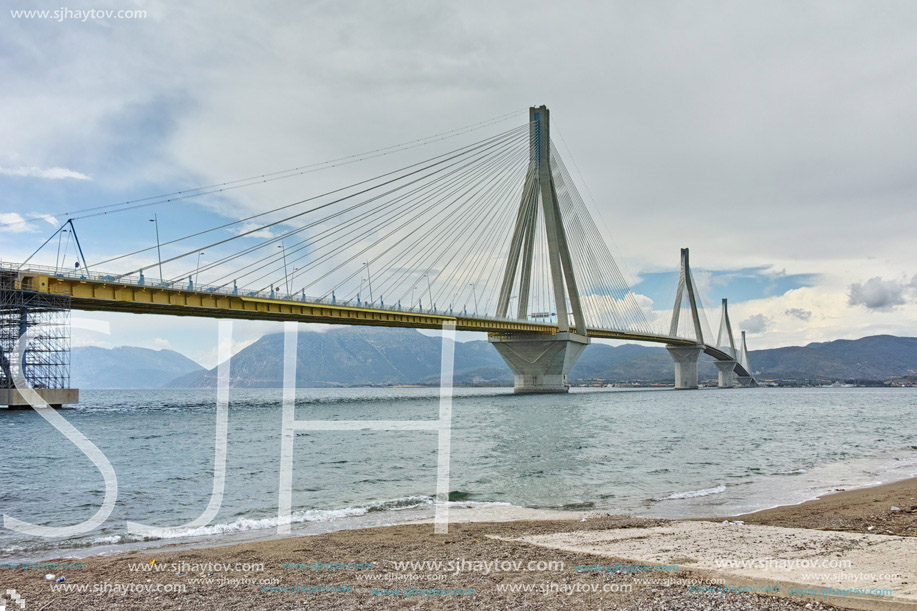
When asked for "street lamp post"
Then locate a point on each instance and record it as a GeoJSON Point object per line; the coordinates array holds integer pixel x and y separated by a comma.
{"type": "Point", "coordinates": [286, 277]}
{"type": "Point", "coordinates": [155, 221]}
{"type": "Point", "coordinates": [197, 272]}
{"type": "Point", "coordinates": [429, 289]}
{"type": "Point", "coordinates": [296, 269]}
{"type": "Point", "coordinates": [59, 238]}
{"type": "Point", "coordinates": [475, 295]}
{"type": "Point", "coordinates": [369, 280]}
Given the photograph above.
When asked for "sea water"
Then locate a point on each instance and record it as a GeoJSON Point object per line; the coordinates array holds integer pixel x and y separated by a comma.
{"type": "Point", "coordinates": [661, 453]}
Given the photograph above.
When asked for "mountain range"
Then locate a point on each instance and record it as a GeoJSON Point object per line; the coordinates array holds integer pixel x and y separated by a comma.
{"type": "Point", "coordinates": [368, 356]}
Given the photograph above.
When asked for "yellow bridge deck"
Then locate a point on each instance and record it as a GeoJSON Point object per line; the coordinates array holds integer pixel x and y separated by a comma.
{"type": "Point", "coordinates": [94, 294]}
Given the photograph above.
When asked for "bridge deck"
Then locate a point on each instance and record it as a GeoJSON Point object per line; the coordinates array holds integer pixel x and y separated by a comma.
{"type": "Point", "coordinates": [94, 292]}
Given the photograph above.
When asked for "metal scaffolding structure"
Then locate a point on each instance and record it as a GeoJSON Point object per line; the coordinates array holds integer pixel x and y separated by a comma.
{"type": "Point", "coordinates": [46, 362]}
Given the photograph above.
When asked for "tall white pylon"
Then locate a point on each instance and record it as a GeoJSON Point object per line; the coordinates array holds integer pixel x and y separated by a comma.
{"type": "Point", "coordinates": [685, 356]}
{"type": "Point", "coordinates": [746, 380]}
{"type": "Point", "coordinates": [724, 338]}
{"type": "Point", "coordinates": [541, 362]}
{"type": "Point", "coordinates": [727, 343]}
{"type": "Point", "coordinates": [686, 285]}
{"type": "Point", "coordinates": [539, 186]}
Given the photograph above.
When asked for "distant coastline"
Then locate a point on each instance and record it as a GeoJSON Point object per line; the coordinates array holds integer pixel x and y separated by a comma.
{"type": "Point", "coordinates": [399, 358]}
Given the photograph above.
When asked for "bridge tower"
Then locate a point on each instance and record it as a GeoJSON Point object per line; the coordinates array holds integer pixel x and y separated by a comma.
{"type": "Point", "coordinates": [726, 342]}
{"type": "Point", "coordinates": [541, 363]}
{"type": "Point", "coordinates": [685, 356]}
{"type": "Point", "coordinates": [745, 380]}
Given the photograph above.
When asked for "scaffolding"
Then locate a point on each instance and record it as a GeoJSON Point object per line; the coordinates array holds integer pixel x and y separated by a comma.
{"type": "Point", "coordinates": [46, 362]}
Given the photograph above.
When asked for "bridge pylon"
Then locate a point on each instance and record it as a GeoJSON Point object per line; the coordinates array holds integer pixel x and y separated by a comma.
{"type": "Point", "coordinates": [541, 363]}
{"type": "Point", "coordinates": [685, 356]}
{"type": "Point", "coordinates": [725, 341]}
{"type": "Point", "coordinates": [745, 380]}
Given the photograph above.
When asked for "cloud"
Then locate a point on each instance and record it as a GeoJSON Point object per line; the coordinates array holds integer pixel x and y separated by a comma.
{"type": "Point", "coordinates": [13, 222]}
{"type": "Point", "coordinates": [877, 294]}
{"type": "Point", "coordinates": [161, 343]}
{"type": "Point", "coordinates": [799, 313]}
{"type": "Point", "coordinates": [51, 220]}
{"type": "Point", "coordinates": [54, 173]}
{"type": "Point", "coordinates": [266, 232]}
{"type": "Point", "coordinates": [755, 324]}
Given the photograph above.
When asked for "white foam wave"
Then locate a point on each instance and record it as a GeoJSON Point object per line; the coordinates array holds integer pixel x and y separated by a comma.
{"type": "Point", "coordinates": [312, 515]}
{"type": "Point", "coordinates": [691, 494]}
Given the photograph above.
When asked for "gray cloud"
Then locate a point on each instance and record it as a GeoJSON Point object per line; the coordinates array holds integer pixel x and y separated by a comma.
{"type": "Point", "coordinates": [755, 324]}
{"type": "Point", "coordinates": [682, 94]}
{"type": "Point", "coordinates": [878, 294]}
{"type": "Point", "coordinates": [799, 313]}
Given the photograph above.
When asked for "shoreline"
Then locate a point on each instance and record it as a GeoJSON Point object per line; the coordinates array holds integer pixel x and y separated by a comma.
{"type": "Point", "coordinates": [679, 508]}
{"type": "Point", "coordinates": [478, 535]}
{"type": "Point", "coordinates": [853, 510]}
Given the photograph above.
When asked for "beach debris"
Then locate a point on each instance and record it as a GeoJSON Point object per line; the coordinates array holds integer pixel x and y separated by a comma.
{"type": "Point", "coordinates": [870, 527]}
{"type": "Point", "coordinates": [61, 579]}
{"type": "Point", "coordinates": [49, 577]}
{"type": "Point", "coordinates": [895, 508]}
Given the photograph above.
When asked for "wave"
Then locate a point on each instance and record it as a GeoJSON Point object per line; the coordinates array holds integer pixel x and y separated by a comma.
{"type": "Point", "coordinates": [310, 516]}
{"type": "Point", "coordinates": [691, 494]}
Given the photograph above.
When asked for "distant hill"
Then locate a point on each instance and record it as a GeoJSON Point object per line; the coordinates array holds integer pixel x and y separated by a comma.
{"type": "Point", "coordinates": [878, 357]}
{"type": "Point", "coordinates": [368, 356]}
{"type": "Point", "coordinates": [127, 367]}
{"type": "Point", "coordinates": [356, 356]}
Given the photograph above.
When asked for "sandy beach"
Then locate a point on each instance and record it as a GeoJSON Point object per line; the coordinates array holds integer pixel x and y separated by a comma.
{"type": "Point", "coordinates": [529, 563]}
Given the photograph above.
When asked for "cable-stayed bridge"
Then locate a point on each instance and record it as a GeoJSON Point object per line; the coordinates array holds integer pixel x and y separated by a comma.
{"type": "Point", "coordinates": [491, 236]}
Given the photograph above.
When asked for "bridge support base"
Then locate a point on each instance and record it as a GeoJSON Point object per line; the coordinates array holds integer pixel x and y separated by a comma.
{"type": "Point", "coordinates": [727, 376]}
{"type": "Point", "coordinates": [746, 381]}
{"type": "Point", "coordinates": [540, 363]}
{"type": "Point", "coordinates": [685, 358]}
{"type": "Point", "coordinates": [55, 397]}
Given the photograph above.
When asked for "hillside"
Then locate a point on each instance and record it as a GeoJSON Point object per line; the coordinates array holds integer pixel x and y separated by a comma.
{"type": "Point", "coordinates": [365, 356]}
{"type": "Point", "coordinates": [127, 367]}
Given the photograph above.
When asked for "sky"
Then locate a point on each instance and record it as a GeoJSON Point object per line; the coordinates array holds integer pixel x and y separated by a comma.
{"type": "Point", "coordinates": [775, 139]}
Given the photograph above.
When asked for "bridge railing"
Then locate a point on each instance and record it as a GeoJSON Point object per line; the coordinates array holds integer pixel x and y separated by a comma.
{"type": "Point", "coordinates": [143, 281]}
{"type": "Point", "coordinates": [147, 282]}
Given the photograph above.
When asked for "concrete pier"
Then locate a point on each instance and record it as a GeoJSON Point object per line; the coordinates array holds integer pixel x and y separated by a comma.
{"type": "Point", "coordinates": [55, 397]}
{"type": "Point", "coordinates": [685, 358]}
{"type": "Point", "coordinates": [727, 376]}
{"type": "Point", "coordinates": [746, 381]}
{"type": "Point", "coordinates": [540, 363]}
